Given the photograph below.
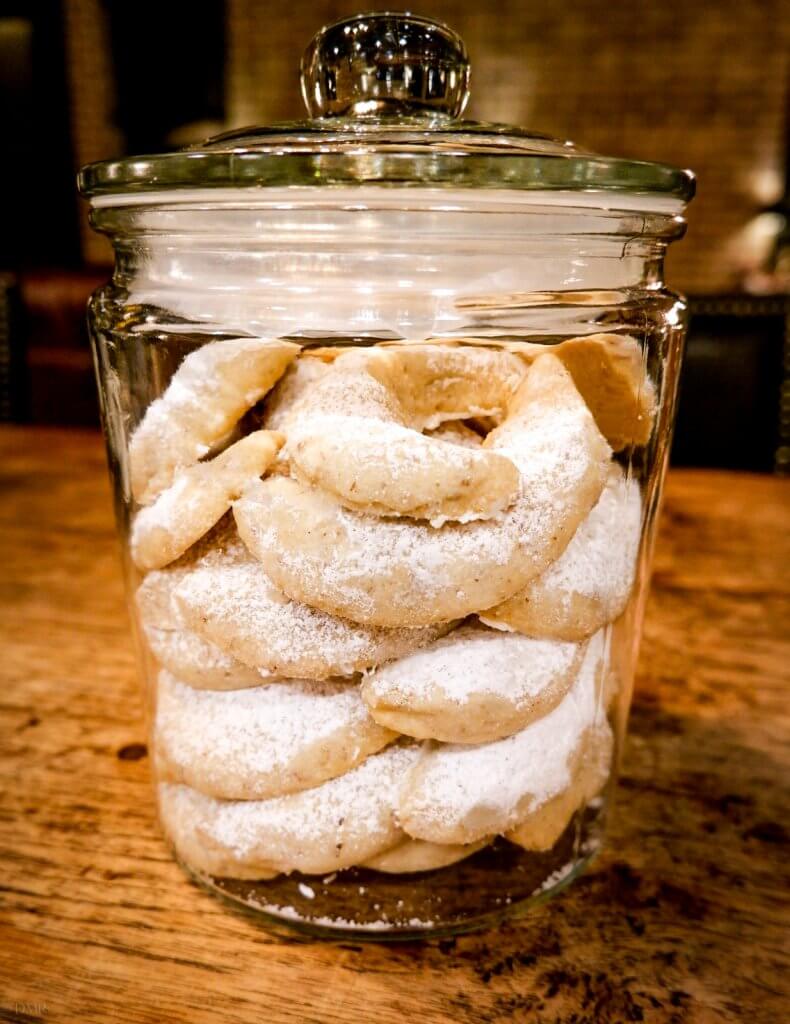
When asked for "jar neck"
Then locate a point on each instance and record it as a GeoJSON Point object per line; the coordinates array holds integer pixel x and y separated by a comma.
{"type": "Point", "coordinates": [266, 268]}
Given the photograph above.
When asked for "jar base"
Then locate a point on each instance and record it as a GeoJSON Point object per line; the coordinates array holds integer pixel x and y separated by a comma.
{"type": "Point", "coordinates": [498, 882]}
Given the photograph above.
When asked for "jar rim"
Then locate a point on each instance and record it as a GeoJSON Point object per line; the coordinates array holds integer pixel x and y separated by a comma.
{"type": "Point", "coordinates": [246, 168]}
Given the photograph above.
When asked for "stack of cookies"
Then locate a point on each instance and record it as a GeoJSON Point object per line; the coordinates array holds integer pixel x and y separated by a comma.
{"type": "Point", "coordinates": [378, 585]}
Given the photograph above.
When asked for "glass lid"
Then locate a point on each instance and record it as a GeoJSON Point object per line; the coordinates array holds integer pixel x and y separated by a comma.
{"type": "Point", "coordinates": [385, 93]}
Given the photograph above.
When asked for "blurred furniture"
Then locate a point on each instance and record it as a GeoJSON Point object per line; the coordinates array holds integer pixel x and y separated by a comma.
{"type": "Point", "coordinates": [14, 386]}
{"type": "Point", "coordinates": [59, 366]}
{"type": "Point", "coordinates": [734, 408]}
{"type": "Point", "coordinates": [46, 368]}
{"type": "Point", "coordinates": [683, 918]}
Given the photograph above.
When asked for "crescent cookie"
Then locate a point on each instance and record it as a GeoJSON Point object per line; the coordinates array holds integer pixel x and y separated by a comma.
{"type": "Point", "coordinates": [412, 855]}
{"type": "Point", "coordinates": [264, 742]}
{"type": "Point", "coordinates": [472, 686]}
{"type": "Point", "coordinates": [233, 604]}
{"type": "Point", "coordinates": [393, 573]}
{"type": "Point", "coordinates": [459, 794]}
{"type": "Point", "coordinates": [178, 649]}
{"type": "Point", "coordinates": [300, 376]}
{"type": "Point", "coordinates": [544, 825]}
{"type": "Point", "coordinates": [353, 437]}
{"type": "Point", "coordinates": [209, 392]}
{"type": "Point", "coordinates": [609, 371]}
{"type": "Point", "coordinates": [343, 822]}
{"type": "Point", "coordinates": [590, 583]}
{"type": "Point", "coordinates": [198, 662]}
{"type": "Point", "coordinates": [444, 381]}
{"type": "Point", "coordinates": [197, 500]}
{"type": "Point", "coordinates": [310, 367]}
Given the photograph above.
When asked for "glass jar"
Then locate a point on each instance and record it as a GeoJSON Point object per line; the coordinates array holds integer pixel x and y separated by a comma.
{"type": "Point", "coordinates": [387, 397]}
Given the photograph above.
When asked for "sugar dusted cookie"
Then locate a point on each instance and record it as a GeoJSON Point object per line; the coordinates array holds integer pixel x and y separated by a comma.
{"type": "Point", "coordinates": [197, 499]}
{"type": "Point", "coordinates": [343, 822]}
{"type": "Point", "coordinates": [354, 435]}
{"type": "Point", "coordinates": [400, 573]}
{"type": "Point", "coordinates": [590, 583]}
{"type": "Point", "coordinates": [257, 743]}
{"type": "Point", "coordinates": [207, 395]}
{"type": "Point", "coordinates": [472, 685]}
{"type": "Point", "coordinates": [545, 823]}
{"type": "Point", "coordinates": [412, 855]}
{"type": "Point", "coordinates": [198, 663]}
{"type": "Point", "coordinates": [177, 648]}
{"type": "Point", "coordinates": [459, 794]}
{"type": "Point", "coordinates": [296, 382]}
{"type": "Point", "coordinates": [233, 604]}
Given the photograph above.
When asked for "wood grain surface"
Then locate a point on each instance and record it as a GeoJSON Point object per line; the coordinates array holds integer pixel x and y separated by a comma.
{"type": "Point", "coordinates": [684, 918]}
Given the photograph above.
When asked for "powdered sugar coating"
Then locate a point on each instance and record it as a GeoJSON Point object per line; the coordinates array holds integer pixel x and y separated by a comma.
{"type": "Point", "coordinates": [233, 604]}
{"type": "Point", "coordinates": [472, 686]}
{"type": "Point", "coordinates": [197, 499]}
{"type": "Point", "coordinates": [197, 662]}
{"type": "Point", "coordinates": [458, 794]}
{"type": "Point", "coordinates": [297, 380]}
{"type": "Point", "coordinates": [155, 597]}
{"type": "Point", "coordinates": [600, 559]}
{"type": "Point", "coordinates": [333, 826]}
{"type": "Point", "coordinates": [395, 573]}
{"type": "Point", "coordinates": [545, 823]}
{"type": "Point", "coordinates": [257, 743]}
{"type": "Point", "coordinates": [590, 583]}
{"type": "Point", "coordinates": [177, 648]}
{"type": "Point", "coordinates": [212, 388]}
{"type": "Point", "coordinates": [352, 436]}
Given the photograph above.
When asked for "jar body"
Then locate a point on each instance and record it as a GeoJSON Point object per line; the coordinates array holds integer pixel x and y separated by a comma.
{"type": "Point", "coordinates": [387, 477]}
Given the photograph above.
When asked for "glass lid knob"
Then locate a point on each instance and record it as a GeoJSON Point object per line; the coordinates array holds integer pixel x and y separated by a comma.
{"type": "Point", "coordinates": [385, 64]}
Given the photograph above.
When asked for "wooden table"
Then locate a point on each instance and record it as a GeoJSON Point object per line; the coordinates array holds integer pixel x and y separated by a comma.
{"type": "Point", "coordinates": [684, 918]}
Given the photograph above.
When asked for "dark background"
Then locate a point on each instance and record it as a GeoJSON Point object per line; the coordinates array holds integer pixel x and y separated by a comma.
{"type": "Point", "coordinates": [688, 82]}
